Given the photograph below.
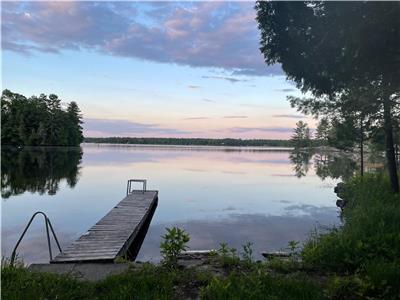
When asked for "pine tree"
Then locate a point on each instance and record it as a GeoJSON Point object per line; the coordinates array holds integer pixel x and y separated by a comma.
{"type": "Point", "coordinates": [301, 136]}
{"type": "Point", "coordinates": [322, 132]}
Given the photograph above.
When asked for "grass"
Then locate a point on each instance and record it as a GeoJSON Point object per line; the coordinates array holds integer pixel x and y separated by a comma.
{"type": "Point", "coordinates": [260, 284]}
{"type": "Point", "coordinates": [359, 260]}
{"type": "Point", "coordinates": [162, 282]}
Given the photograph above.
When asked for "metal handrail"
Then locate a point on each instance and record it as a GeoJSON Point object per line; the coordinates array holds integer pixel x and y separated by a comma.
{"type": "Point", "coordinates": [129, 185]}
{"type": "Point", "coordinates": [47, 224]}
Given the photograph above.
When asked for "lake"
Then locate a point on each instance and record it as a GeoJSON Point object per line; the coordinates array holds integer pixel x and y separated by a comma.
{"type": "Point", "coordinates": [235, 195]}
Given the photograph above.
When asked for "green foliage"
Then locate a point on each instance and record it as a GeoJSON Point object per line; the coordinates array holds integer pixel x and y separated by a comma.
{"type": "Point", "coordinates": [322, 132]}
{"type": "Point", "coordinates": [247, 253]}
{"type": "Point", "coordinates": [146, 282]}
{"type": "Point", "coordinates": [379, 280]}
{"type": "Point", "coordinates": [328, 49]}
{"type": "Point", "coordinates": [223, 249]}
{"type": "Point", "coordinates": [301, 136]}
{"type": "Point", "coordinates": [282, 265]}
{"type": "Point", "coordinates": [326, 46]}
{"type": "Point", "coordinates": [367, 245]}
{"type": "Point", "coordinates": [39, 121]}
{"type": "Point", "coordinates": [18, 283]}
{"type": "Point", "coordinates": [156, 282]}
{"type": "Point", "coordinates": [228, 256]}
{"type": "Point", "coordinates": [260, 285]}
{"type": "Point", "coordinates": [173, 244]}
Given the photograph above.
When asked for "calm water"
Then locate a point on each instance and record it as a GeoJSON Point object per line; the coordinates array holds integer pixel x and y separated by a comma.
{"type": "Point", "coordinates": [218, 195]}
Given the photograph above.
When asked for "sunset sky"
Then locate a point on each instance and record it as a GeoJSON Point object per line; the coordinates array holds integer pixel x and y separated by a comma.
{"type": "Point", "coordinates": [165, 69]}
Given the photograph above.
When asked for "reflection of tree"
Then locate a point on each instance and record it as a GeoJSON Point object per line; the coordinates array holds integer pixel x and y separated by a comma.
{"type": "Point", "coordinates": [336, 165]}
{"type": "Point", "coordinates": [38, 169]}
{"type": "Point", "coordinates": [300, 158]}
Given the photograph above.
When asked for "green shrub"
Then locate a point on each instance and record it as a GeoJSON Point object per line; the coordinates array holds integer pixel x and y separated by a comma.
{"type": "Point", "coordinates": [366, 246]}
{"type": "Point", "coordinates": [228, 256]}
{"type": "Point", "coordinates": [173, 244]}
{"type": "Point", "coordinates": [247, 253]}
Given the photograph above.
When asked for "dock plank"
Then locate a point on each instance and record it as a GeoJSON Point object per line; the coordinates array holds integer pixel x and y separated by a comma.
{"type": "Point", "coordinates": [113, 234]}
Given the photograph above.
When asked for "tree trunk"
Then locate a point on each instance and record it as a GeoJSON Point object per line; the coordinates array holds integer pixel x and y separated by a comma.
{"type": "Point", "coordinates": [362, 148]}
{"type": "Point", "coordinates": [390, 154]}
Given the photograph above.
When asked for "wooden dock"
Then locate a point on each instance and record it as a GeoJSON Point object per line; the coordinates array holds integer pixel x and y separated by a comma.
{"type": "Point", "coordinates": [119, 233]}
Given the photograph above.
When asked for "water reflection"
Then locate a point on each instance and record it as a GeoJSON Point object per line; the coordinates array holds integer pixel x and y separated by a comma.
{"type": "Point", "coordinates": [327, 164]}
{"type": "Point", "coordinates": [264, 231]}
{"type": "Point", "coordinates": [300, 159]}
{"type": "Point", "coordinates": [334, 165]}
{"type": "Point", "coordinates": [38, 170]}
{"type": "Point", "coordinates": [231, 196]}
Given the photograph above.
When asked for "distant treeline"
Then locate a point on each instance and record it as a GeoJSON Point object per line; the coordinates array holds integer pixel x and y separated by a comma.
{"type": "Point", "coordinates": [39, 121]}
{"type": "Point", "coordinates": [189, 141]}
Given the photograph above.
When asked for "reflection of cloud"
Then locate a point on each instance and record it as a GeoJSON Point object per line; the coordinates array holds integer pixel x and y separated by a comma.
{"type": "Point", "coordinates": [289, 116]}
{"type": "Point", "coordinates": [229, 208]}
{"type": "Point", "coordinates": [265, 232]}
{"type": "Point", "coordinates": [103, 127]}
{"type": "Point", "coordinates": [308, 209]}
{"type": "Point", "coordinates": [193, 86]}
{"type": "Point", "coordinates": [284, 201]}
{"type": "Point", "coordinates": [203, 34]}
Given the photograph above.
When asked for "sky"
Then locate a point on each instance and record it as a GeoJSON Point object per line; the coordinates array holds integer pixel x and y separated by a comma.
{"type": "Point", "coordinates": [150, 69]}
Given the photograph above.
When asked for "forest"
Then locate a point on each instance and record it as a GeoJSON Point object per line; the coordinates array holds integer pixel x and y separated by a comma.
{"type": "Point", "coordinates": [189, 141]}
{"type": "Point", "coordinates": [39, 121]}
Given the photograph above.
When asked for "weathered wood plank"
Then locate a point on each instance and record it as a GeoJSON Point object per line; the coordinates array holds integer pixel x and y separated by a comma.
{"type": "Point", "coordinates": [113, 234]}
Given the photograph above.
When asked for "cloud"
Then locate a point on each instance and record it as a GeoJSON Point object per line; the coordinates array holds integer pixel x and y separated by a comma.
{"type": "Point", "coordinates": [197, 118]}
{"type": "Point", "coordinates": [208, 100]}
{"type": "Point", "coordinates": [102, 127]}
{"type": "Point", "coordinates": [230, 79]}
{"type": "Point", "coordinates": [218, 35]}
{"type": "Point", "coordinates": [193, 86]}
{"type": "Point", "coordinates": [235, 117]}
{"type": "Point", "coordinates": [289, 116]}
{"type": "Point", "coordinates": [263, 129]}
{"type": "Point", "coordinates": [208, 118]}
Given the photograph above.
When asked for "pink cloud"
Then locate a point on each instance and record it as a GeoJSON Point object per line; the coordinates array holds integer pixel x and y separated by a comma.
{"type": "Point", "coordinates": [201, 34]}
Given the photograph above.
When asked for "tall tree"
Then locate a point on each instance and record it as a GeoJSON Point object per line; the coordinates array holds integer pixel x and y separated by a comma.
{"type": "Point", "coordinates": [322, 131]}
{"type": "Point", "coordinates": [75, 136]}
{"type": "Point", "coordinates": [301, 136]}
{"type": "Point", "coordinates": [326, 47]}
